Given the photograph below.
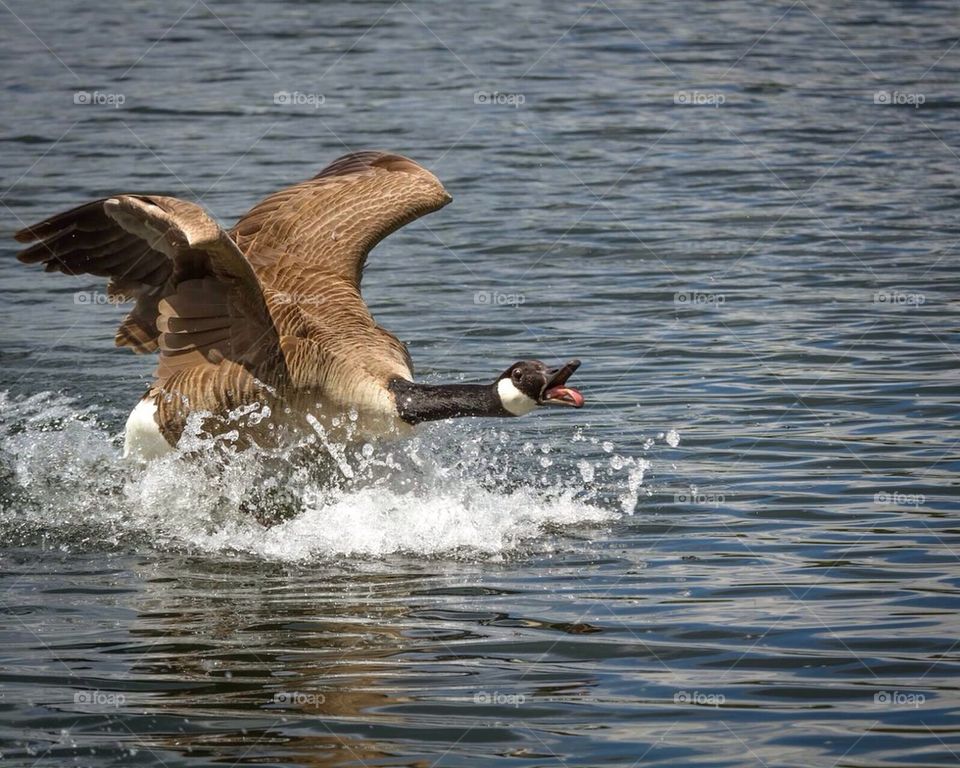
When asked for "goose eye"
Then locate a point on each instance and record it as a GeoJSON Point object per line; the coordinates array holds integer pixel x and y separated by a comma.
{"type": "Point", "coordinates": [517, 375]}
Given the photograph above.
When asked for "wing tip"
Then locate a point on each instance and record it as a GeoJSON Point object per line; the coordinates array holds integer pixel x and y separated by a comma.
{"type": "Point", "coordinates": [366, 159]}
{"type": "Point", "coordinates": [32, 232]}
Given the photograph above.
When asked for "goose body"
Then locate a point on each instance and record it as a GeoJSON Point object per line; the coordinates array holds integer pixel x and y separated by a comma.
{"type": "Point", "coordinates": [266, 320]}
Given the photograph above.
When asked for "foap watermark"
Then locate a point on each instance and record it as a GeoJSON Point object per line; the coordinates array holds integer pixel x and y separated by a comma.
{"type": "Point", "coordinates": [899, 499]}
{"type": "Point", "coordinates": [299, 699]}
{"type": "Point", "coordinates": [899, 699]}
{"type": "Point", "coordinates": [99, 699]}
{"type": "Point", "coordinates": [699, 299]}
{"type": "Point", "coordinates": [699, 497]}
{"type": "Point", "coordinates": [899, 299]}
{"type": "Point", "coordinates": [299, 99]}
{"type": "Point", "coordinates": [91, 298]}
{"type": "Point", "coordinates": [498, 697]}
{"type": "Point", "coordinates": [283, 297]}
{"type": "Point", "coordinates": [699, 99]}
{"type": "Point", "coordinates": [699, 698]}
{"type": "Point", "coordinates": [899, 98]}
{"type": "Point", "coordinates": [499, 98]}
{"type": "Point", "coordinates": [498, 299]}
{"type": "Point", "coordinates": [99, 99]}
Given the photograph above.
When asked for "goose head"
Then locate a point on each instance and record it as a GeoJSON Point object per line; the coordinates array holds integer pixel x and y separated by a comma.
{"type": "Point", "coordinates": [528, 384]}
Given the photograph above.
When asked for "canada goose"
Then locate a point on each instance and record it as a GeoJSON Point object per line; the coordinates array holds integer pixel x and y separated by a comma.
{"type": "Point", "coordinates": [269, 313]}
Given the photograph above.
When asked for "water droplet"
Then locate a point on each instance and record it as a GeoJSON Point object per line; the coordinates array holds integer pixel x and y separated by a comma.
{"type": "Point", "coordinates": [586, 470]}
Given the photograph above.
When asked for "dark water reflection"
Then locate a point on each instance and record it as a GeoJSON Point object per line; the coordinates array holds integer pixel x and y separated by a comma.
{"type": "Point", "coordinates": [772, 273]}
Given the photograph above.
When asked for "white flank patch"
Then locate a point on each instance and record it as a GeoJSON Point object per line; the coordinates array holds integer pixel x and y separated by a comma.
{"type": "Point", "coordinates": [513, 399]}
{"type": "Point", "coordinates": [143, 439]}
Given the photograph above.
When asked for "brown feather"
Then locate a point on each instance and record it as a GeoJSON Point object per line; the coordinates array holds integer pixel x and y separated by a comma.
{"type": "Point", "coordinates": [271, 307]}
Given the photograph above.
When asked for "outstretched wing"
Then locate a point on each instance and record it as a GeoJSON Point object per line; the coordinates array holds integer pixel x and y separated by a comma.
{"type": "Point", "coordinates": [332, 221]}
{"type": "Point", "coordinates": [197, 299]}
{"type": "Point", "coordinates": [309, 243]}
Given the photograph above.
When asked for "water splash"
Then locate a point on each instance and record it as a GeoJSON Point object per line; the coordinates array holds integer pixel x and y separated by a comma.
{"type": "Point", "coordinates": [454, 490]}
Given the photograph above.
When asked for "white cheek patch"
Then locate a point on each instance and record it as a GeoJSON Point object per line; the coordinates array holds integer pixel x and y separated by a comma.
{"type": "Point", "coordinates": [515, 401]}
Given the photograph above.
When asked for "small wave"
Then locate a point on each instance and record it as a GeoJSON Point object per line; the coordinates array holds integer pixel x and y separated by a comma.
{"type": "Point", "coordinates": [455, 490]}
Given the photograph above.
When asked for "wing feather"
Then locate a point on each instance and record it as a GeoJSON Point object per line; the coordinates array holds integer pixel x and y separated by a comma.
{"type": "Point", "coordinates": [221, 307]}
{"type": "Point", "coordinates": [309, 244]}
{"type": "Point", "coordinates": [333, 220]}
{"type": "Point", "coordinates": [176, 263]}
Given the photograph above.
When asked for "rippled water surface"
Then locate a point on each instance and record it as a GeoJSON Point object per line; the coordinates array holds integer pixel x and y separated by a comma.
{"type": "Point", "coordinates": [742, 217]}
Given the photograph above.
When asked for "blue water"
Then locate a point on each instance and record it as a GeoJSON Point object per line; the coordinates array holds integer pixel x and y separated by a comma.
{"type": "Point", "coordinates": [744, 551]}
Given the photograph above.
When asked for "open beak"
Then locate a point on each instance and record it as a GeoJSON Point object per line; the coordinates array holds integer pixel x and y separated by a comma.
{"type": "Point", "coordinates": [555, 391]}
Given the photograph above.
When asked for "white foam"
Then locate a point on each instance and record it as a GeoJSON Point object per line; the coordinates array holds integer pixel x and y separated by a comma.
{"type": "Point", "coordinates": [378, 522]}
{"type": "Point", "coordinates": [459, 490]}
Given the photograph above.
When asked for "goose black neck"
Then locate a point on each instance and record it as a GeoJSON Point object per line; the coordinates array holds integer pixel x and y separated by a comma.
{"type": "Point", "coordinates": [429, 402]}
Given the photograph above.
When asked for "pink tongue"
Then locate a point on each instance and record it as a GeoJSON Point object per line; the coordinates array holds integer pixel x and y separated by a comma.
{"type": "Point", "coordinates": [567, 394]}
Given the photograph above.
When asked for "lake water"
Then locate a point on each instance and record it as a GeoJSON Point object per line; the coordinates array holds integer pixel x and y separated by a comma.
{"type": "Point", "coordinates": [742, 217]}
